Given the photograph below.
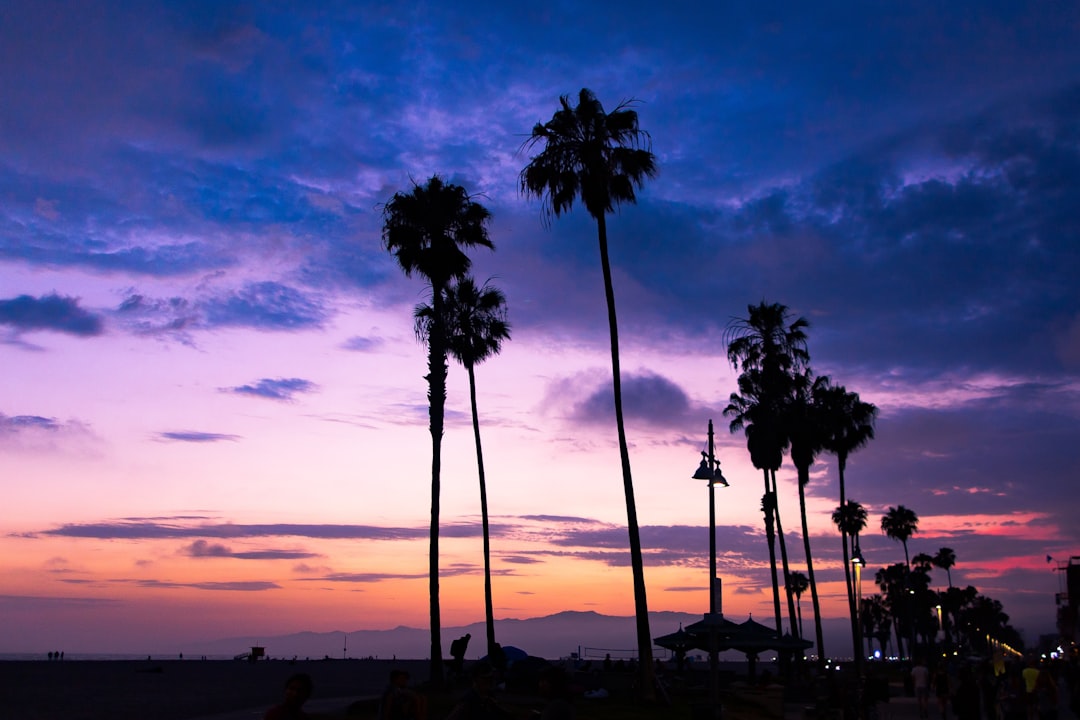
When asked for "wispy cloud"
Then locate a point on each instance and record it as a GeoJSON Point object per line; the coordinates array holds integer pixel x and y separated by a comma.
{"type": "Point", "coordinates": [195, 436]}
{"type": "Point", "coordinates": [275, 388]}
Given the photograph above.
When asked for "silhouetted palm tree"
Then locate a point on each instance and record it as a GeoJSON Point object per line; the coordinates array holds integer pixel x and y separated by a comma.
{"type": "Point", "coordinates": [798, 583]}
{"type": "Point", "coordinates": [426, 230]}
{"type": "Point", "coordinates": [600, 158]}
{"type": "Point", "coordinates": [476, 326]}
{"type": "Point", "coordinates": [849, 426]}
{"type": "Point", "coordinates": [802, 419]}
{"type": "Point", "coordinates": [769, 347]}
{"type": "Point", "coordinates": [946, 560]}
{"type": "Point", "coordinates": [850, 518]}
{"type": "Point", "coordinates": [899, 524]}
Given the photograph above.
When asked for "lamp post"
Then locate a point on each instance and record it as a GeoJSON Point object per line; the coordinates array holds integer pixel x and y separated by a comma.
{"type": "Point", "coordinates": [709, 470]}
{"type": "Point", "coordinates": [857, 562]}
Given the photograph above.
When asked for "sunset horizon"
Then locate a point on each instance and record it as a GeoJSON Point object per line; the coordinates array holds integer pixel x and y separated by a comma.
{"type": "Point", "coordinates": [216, 418]}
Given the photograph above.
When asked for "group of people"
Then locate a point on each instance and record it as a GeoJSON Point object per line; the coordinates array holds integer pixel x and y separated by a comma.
{"type": "Point", "coordinates": [399, 701]}
{"type": "Point", "coordinates": [995, 691]}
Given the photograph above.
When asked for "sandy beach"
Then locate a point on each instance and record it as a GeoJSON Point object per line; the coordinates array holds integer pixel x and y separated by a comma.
{"type": "Point", "coordinates": [180, 689]}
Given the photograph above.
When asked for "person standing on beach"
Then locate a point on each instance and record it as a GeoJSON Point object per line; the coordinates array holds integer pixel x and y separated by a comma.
{"type": "Point", "coordinates": [478, 703]}
{"type": "Point", "coordinates": [920, 679]}
{"type": "Point", "coordinates": [399, 701]}
{"type": "Point", "coordinates": [298, 689]}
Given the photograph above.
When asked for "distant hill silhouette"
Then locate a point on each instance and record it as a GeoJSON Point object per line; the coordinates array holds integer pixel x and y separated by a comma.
{"type": "Point", "coordinates": [552, 636]}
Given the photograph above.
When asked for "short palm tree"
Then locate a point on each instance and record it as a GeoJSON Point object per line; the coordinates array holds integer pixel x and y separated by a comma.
{"type": "Point", "coordinates": [945, 558]}
{"type": "Point", "coordinates": [849, 426]}
{"type": "Point", "coordinates": [476, 327]}
{"type": "Point", "coordinates": [900, 523]}
{"type": "Point", "coordinates": [600, 158]}
{"type": "Point", "coordinates": [850, 518]}
{"type": "Point", "coordinates": [427, 230]}
{"type": "Point", "coordinates": [798, 583]}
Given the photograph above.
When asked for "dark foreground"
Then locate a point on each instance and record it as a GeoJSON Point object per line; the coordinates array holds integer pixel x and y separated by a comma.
{"type": "Point", "coordinates": [177, 689]}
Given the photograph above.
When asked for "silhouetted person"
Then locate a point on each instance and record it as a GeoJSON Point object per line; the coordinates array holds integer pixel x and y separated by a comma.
{"type": "Point", "coordinates": [920, 680]}
{"type": "Point", "coordinates": [457, 652]}
{"type": "Point", "coordinates": [399, 701]}
{"type": "Point", "coordinates": [478, 703]}
{"type": "Point", "coordinates": [966, 700]}
{"type": "Point", "coordinates": [298, 689]}
{"type": "Point", "coordinates": [553, 686]}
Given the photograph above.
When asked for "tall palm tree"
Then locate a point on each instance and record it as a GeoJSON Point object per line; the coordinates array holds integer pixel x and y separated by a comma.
{"type": "Point", "coordinates": [766, 449]}
{"type": "Point", "coordinates": [849, 426]}
{"type": "Point", "coordinates": [945, 558]}
{"type": "Point", "coordinates": [900, 523]}
{"type": "Point", "coordinates": [427, 230]}
{"type": "Point", "coordinates": [803, 420]}
{"type": "Point", "coordinates": [798, 584]}
{"type": "Point", "coordinates": [599, 157]}
{"type": "Point", "coordinates": [476, 326]}
{"type": "Point", "coordinates": [769, 347]}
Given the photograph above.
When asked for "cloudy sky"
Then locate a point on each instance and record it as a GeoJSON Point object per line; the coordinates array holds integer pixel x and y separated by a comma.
{"type": "Point", "coordinates": [214, 408]}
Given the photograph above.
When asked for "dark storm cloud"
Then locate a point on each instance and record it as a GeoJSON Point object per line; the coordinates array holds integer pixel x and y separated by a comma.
{"type": "Point", "coordinates": [195, 436]}
{"type": "Point", "coordinates": [49, 312]}
{"type": "Point", "coordinates": [275, 388]}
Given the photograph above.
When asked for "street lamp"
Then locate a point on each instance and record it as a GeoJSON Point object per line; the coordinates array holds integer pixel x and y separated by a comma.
{"type": "Point", "coordinates": [709, 470]}
{"type": "Point", "coordinates": [857, 563]}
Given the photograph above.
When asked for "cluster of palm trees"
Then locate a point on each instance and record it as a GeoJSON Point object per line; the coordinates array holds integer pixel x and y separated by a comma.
{"type": "Point", "coordinates": [583, 153]}
{"type": "Point", "coordinates": [600, 158]}
{"type": "Point", "coordinates": [783, 406]}
{"type": "Point", "coordinates": [909, 609]}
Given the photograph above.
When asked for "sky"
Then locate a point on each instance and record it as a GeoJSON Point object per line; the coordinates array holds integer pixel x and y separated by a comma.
{"type": "Point", "coordinates": [214, 416]}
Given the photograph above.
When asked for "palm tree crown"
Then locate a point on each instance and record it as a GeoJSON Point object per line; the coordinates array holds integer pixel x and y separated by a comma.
{"type": "Point", "coordinates": [426, 230]}
{"type": "Point", "coordinates": [588, 153]}
{"type": "Point", "coordinates": [899, 524]}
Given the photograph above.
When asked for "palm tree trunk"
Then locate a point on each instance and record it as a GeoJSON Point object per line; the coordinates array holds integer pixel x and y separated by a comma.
{"type": "Point", "coordinates": [768, 501]}
{"type": "Point", "coordinates": [489, 611]}
{"type": "Point", "coordinates": [784, 558]}
{"type": "Point", "coordinates": [641, 606]}
{"type": "Point", "coordinates": [853, 608]}
{"type": "Point", "coordinates": [436, 408]}
{"type": "Point", "coordinates": [804, 474]}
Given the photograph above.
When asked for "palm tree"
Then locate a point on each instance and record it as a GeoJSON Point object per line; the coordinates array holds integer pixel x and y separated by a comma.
{"type": "Point", "coordinates": [850, 518]}
{"type": "Point", "coordinates": [769, 347]}
{"type": "Point", "coordinates": [945, 558]}
{"type": "Point", "coordinates": [766, 447]}
{"type": "Point", "coordinates": [849, 426]}
{"type": "Point", "coordinates": [803, 421]}
{"type": "Point", "coordinates": [426, 230]}
{"type": "Point", "coordinates": [899, 524]}
{"type": "Point", "coordinates": [476, 326]}
{"type": "Point", "coordinates": [798, 583]}
{"type": "Point", "coordinates": [599, 157]}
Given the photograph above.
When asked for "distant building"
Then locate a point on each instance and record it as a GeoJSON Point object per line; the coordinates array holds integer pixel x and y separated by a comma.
{"type": "Point", "coordinates": [1068, 600]}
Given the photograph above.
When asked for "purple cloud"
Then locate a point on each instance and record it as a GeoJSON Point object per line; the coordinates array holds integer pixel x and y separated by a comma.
{"type": "Point", "coordinates": [275, 388]}
{"type": "Point", "coordinates": [49, 312]}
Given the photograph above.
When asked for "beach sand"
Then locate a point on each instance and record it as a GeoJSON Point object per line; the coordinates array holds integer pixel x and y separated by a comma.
{"type": "Point", "coordinates": [182, 689]}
